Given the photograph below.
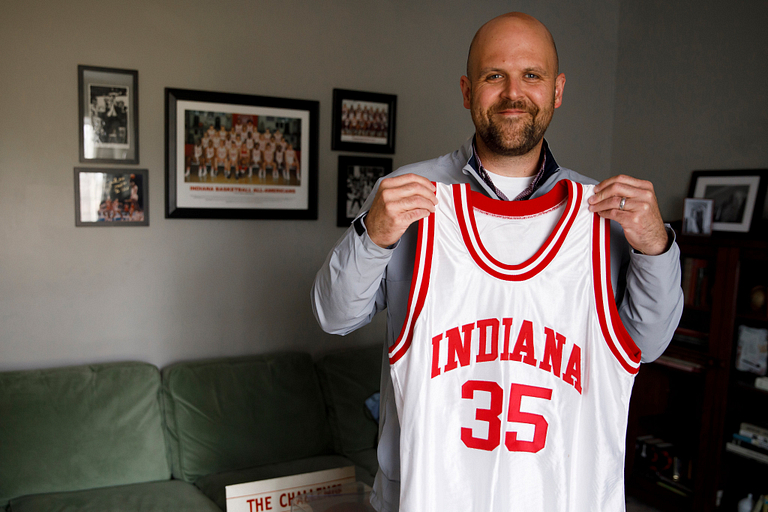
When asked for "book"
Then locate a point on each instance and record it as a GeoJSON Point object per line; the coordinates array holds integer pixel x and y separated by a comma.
{"type": "Point", "coordinates": [746, 452]}
{"type": "Point", "coordinates": [756, 435]}
{"type": "Point", "coordinates": [746, 442]}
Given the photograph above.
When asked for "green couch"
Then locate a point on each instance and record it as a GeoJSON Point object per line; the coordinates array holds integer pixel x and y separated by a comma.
{"type": "Point", "coordinates": [130, 437]}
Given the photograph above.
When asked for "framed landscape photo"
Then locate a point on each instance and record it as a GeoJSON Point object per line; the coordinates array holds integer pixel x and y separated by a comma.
{"type": "Point", "coordinates": [363, 121]}
{"type": "Point", "coordinates": [238, 156]}
{"type": "Point", "coordinates": [111, 197]}
{"type": "Point", "coordinates": [737, 196]}
{"type": "Point", "coordinates": [108, 115]}
{"type": "Point", "coordinates": [697, 216]}
{"type": "Point", "coordinates": [357, 176]}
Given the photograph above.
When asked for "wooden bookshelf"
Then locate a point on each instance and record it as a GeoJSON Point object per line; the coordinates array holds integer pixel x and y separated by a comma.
{"type": "Point", "coordinates": [693, 397]}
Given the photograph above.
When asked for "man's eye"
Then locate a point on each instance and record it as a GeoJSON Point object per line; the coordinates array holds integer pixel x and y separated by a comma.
{"type": "Point", "coordinates": [494, 76]}
{"type": "Point", "coordinates": [531, 76]}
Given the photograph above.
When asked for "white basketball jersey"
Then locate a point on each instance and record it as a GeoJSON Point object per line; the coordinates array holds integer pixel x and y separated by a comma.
{"type": "Point", "coordinates": [513, 372]}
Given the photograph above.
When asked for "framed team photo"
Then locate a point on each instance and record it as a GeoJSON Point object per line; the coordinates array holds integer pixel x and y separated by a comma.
{"type": "Point", "coordinates": [697, 216]}
{"type": "Point", "coordinates": [357, 176]}
{"type": "Point", "coordinates": [737, 196]}
{"type": "Point", "coordinates": [108, 115]}
{"type": "Point", "coordinates": [363, 121]}
{"type": "Point", "coordinates": [238, 156]}
{"type": "Point", "coordinates": [111, 197]}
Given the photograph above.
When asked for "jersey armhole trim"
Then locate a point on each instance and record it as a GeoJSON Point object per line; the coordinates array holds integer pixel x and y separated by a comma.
{"type": "Point", "coordinates": [419, 286]}
{"type": "Point", "coordinates": [619, 341]}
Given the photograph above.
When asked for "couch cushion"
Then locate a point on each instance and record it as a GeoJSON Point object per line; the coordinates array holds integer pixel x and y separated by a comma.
{"type": "Point", "coordinates": [214, 485]}
{"type": "Point", "coordinates": [148, 497]}
{"type": "Point", "coordinates": [348, 378]}
{"type": "Point", "coordinates": [236, 413]}
{"type": "Point", "coordinates": [73, 428]}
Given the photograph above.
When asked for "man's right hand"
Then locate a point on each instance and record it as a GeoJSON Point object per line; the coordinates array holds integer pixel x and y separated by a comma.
{"type": "Point", "coordinates": [399, 202]}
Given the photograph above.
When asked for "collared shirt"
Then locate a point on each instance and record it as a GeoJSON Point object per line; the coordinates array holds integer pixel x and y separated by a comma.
{"type": "Point", "coordinates": [477, 165]}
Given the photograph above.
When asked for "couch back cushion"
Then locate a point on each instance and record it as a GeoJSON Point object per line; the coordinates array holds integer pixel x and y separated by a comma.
{"type": "Point", "coordinates": [73, 428]}
{"type": "Point", "coordinates": [237, 413]}
{"type": "Point", "coordinates": [348, 378]}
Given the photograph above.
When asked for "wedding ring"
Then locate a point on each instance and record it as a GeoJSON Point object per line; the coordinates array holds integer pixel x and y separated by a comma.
{"type": "Point", "coordinates": [622, 203]}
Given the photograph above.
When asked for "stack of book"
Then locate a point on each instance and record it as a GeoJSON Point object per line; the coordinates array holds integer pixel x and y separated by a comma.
{"type": "Point", "coordinates": [751, 441]}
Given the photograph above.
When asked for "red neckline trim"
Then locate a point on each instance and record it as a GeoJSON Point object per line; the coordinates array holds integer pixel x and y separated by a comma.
{"type": "Point", "coordinates": [563, 190]}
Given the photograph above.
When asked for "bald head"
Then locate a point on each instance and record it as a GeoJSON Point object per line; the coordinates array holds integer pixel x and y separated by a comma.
{"type": "Point", "coordinates": [498, 30]}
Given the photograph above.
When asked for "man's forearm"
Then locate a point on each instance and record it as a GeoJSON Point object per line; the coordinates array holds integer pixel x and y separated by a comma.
{"type": "Point", "coordinates": [347, 291]}
{"type": "Point", "coordinates": [653, 301]}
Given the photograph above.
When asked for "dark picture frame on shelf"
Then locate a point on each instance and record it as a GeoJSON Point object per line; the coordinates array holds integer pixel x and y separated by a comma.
{"type": "Point", "coordinates": [738, 197]}
{"type": "Point", "coordinates": [108, 115]}
{"type": "Point", "coordinates": [277, 181]}
{"type": "Point", "coordinates": [357, 176]}
{"type": "Point", "coordinates": [111, 197]}
{"type": "Point", "coordinates": [697, 216]}
{"type": "Point", "coordinates": [363, 121]}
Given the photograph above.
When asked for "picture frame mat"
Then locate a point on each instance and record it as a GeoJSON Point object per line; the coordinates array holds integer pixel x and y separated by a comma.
{"type": "Point", "coordinates": [186, 199]}
{"type": "Point", "coordinates": [752, 181]}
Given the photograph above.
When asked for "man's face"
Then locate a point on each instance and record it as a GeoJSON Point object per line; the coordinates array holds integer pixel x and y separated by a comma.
{"type": "Point", "coordinates": [513, 89]}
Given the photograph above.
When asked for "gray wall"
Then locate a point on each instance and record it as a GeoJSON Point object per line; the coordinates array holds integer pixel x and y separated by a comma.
{"type": "Point", "coordinates": [690, 91]}
{"type": "Point", "coordinates": [183, 289]}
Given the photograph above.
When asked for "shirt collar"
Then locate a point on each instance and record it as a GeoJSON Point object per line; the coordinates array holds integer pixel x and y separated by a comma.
{"type": "Point", "coordinates": [547, 166]}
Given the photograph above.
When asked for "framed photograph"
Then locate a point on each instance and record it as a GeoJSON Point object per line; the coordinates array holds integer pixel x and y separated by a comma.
{"type": "Point", "coordinates": [363, 121]}
{"type": "Point", "coordinates": [237, 156]}
{"type": "Point", "coordinates": [738, 197]}
{"type": "Point", "coordinates": [697, 216]}
{"type": "Point", "coordinates": [111, 197]}
{"type": "Point", "coordinates": [108, 115]}
{"type": "Point", "coordinates": [357, 176]}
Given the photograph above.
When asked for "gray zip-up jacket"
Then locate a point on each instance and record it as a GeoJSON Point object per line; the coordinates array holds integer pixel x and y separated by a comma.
{"type": "Point", "coordinates": [359, 279]}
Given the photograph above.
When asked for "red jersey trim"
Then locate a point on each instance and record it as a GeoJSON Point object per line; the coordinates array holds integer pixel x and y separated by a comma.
{"type": "Point", "coordinates": [465, 201]}
{"type": "Point", "coordinates": [422, 268]}
{"type": "Point", "coordinates": [619, 341]}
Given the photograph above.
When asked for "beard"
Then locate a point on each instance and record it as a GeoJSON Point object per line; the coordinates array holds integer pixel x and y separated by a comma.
{"type": "Point", "coordinates": [515, 137]}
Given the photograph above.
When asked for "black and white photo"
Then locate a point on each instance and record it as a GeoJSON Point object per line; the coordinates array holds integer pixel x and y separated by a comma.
{"type": "Point", "coordinates": [108, 115]}
{"type": "Point", "coordinates": [357, 176]}
{"type": "Point", "coordinates": [697, 216]}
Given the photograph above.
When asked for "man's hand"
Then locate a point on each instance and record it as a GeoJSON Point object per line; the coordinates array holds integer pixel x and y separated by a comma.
{"type": "Point", "coordinates": [639, 214]}
{"type": "Point", "coordinates": [398, 203]}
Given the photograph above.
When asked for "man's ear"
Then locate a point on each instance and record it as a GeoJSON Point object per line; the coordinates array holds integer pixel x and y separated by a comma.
{"type": "Point", "coordinates": [559, 86]}
{"type": "Point", "coordinates": [466, 91]}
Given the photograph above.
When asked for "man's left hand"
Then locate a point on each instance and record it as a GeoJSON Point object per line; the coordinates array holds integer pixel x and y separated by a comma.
{"type": "Point", "coordinates": [632, 203]}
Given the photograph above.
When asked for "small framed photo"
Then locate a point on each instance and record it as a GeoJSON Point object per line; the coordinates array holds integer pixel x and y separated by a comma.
{"type": "Point", "coordinates": [738, 197]}
{"type": "Point", "coordinates": [357, 176]}
{"type": "Point", "coordinates": [111, 197]}
{"type": "Point", "coordinates": [363, 121]}
{"type": "Point", "coordinates": [108, 115]}
{"type": "Point", "coordinates": [238, 156]}
{"type": "Point", "coordinates": [697, 216]}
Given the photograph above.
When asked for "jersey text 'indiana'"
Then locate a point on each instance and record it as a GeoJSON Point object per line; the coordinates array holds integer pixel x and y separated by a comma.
{"type": "Point", "coordinates": [491, 346]}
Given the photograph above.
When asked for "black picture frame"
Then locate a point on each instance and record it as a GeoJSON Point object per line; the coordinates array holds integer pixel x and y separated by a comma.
{"type": "Point", "coordinates": [378, 134]}
{"type": "Point", "coordinates": [285, 191]}
{"type": "Point", "coordinates": [109, 197]}
{"type": "Point", "coordinates": [738, 195]}
{"type": "Point", "coordinates": [108, 115]}
{"type": "Point", "coordinates": [357, 176]}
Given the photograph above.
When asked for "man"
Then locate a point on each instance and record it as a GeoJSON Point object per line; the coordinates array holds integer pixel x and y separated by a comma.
{"type": "Point", "coordinates": [511, 88]}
